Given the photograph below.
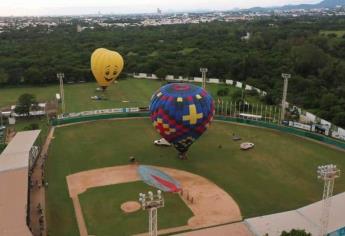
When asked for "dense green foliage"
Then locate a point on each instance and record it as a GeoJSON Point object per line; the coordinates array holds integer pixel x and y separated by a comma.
{"type": "Point", "coordinates": [2, 147]}
{"type": "Point", "coordinates": [304, 47]}
{"type": "Point", "coordinates": [277, 175]}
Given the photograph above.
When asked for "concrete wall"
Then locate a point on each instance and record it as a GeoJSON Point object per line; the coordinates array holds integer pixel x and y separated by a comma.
{"type": "Point", "coordinates": [248, 87]}
{"type": "Point", "coordinates": [229, 81]}
{"type": "Point", "coordinates": [197, 79]}
{"type": "Point", "coordinates": [213, 81]}
{"type": "Point", "coordinates": [238, 84]}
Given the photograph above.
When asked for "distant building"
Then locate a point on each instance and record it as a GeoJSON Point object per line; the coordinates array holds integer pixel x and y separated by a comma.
{"type": "Point", "coordinates": [246, 37]}
{"type": "Point", "coordinates": [79, 28]}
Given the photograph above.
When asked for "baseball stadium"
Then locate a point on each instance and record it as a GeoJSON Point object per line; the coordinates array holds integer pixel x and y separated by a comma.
{"type": "Point", "coordinates": [150, 157]}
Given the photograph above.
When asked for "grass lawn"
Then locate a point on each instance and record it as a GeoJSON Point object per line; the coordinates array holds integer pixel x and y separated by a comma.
{"type": "Point", "coordinates": [278, 174]}
{"type": "Point", "coordinates": [339, 33]}
{"type": "Point", "coordinates": [103, 216]}
{"type": "Point", "coordinates": [125, 93]}
{"type": "Point", "coordinates": [77, 96]}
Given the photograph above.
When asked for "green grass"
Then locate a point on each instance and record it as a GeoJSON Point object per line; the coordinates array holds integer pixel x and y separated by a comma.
{"type": "Point", "coordinates": [187, 51]}
{"type": "Point", "coordinates": [24, 124]}
{"type": "Point", "coordinates": [77, 96]}
{"type": "Point", "coordinates": [339, 33]}
{"type": "Point", "coordinates": [104, 218]}
{"type": "Point", "coordinates": [136, 93]}
{"type": "Point", "coordinates": [278, 174]}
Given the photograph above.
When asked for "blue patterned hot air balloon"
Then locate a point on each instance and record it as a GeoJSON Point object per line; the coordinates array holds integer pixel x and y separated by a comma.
{"type": "Point", "coordinates": [181, 113]}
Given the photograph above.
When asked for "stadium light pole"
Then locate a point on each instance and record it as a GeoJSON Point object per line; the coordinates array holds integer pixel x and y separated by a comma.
{"type": "Point", "coordinates": [235, 109]}
{"type": "Point", "coordinates": [327, 173]}
{"type": "Point", "coordinates": [286, 78]}
{"type": "Point", "coordinates": [61, 76]}
{"type": "Point", "coordinates": [152, 202]}
{"type": "Point", "coordinates": [230, 108]}
{"type": "Point", "coordinates": [203, 72]}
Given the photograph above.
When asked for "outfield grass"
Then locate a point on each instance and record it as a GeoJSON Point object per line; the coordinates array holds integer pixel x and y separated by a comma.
{"type": "Point", "coordinates": [338, 33]}
{"type": "Point", "coordinates": [103, 216]}
{"type": "Point", "coordinates": [77, 96]}
{"type": "Point", "coordinates": [278, 174]}
{"type": "Point", "coordinates": [125, 93]}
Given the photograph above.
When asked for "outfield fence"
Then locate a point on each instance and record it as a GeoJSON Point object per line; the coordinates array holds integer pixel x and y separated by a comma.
{"type": "Point", "coordinates": [78, 119]}
{"type": "Point", "coordinates": [274, 126]}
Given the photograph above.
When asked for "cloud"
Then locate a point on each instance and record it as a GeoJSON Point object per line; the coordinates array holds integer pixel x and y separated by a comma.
{"type": "Point", "coordinates": [47, 7]}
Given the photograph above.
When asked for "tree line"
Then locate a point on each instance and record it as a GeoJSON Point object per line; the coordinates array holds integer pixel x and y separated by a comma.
{"type": "Point", "coordinates": [297, 46]}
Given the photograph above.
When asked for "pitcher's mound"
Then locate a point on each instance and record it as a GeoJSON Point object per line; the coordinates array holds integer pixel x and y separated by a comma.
{"type": "Point", "coordinates": [129, 207]}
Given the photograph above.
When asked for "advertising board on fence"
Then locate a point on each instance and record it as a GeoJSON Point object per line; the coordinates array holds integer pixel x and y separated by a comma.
{"type": "Point", "coordinates": [299, 125]}
{"type": "Point", "coordinates": [99, 112]}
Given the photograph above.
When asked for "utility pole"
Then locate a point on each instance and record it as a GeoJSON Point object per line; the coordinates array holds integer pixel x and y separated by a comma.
{"type": "Point", "coordinates": [203, 72]}
{"type": "Point", "coordinates": [327, 173]}
{"type": "Point", "coordinates": [151, 203]}
{"type": "Point", "coordinates": [286, 78]}
{"type": "Point", "coordinates": [61, 76]}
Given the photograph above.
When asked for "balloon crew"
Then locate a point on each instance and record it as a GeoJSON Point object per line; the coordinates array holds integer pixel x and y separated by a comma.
{"type": "Point", "coordinates": [106, 66]}
{"type": "Point", "coordinates": [181, 113]}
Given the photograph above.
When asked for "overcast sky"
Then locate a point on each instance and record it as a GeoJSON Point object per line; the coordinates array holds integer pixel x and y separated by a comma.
{"type": "Point", "coordinates": [58, 7]}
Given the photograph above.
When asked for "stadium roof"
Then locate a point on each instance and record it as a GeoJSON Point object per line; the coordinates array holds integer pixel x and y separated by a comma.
{"type": "Point", "coordinates": [14, 165]}
{"type": "Point", "coordinates": [308, 218]}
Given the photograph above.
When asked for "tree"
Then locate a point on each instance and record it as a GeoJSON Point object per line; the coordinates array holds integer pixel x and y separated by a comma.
{"type": "Point", "coordinates": [308, 59]}
{"type": "Point", "coordinates": [327, 101]}
{"type": "Point", "coordinates": [339, 119]}
{"type": "Point", "coordinates": [223, 92]}
{"type": "Point", "coordinates": [33, 76]}
{"type": "Point", "coordinates": [237, 95]}
{"type": "Point", "coordinates": [25, 103]}
{"type": "Point", "coordinates": [161, 73]}
{"type": "Point", "coordinates": [3, 76]}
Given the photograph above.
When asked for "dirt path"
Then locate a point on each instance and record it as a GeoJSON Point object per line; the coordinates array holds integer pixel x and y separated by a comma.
{"type": "Point", "coordinates": [37, 191]}
{"type": "Point", "coordinates": [211, 205]}
{"type": "Point", "coordinates": [236, 229]}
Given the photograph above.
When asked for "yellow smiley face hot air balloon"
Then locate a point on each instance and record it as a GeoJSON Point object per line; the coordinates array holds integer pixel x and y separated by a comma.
{"type": "Point", "coordinates": [106, 65]}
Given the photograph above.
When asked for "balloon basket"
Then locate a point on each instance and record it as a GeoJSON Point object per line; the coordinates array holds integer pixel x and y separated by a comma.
{"type": "Point", "coordinates": [182, 156]}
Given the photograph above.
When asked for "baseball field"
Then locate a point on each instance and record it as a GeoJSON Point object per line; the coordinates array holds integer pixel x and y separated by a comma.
{"type": "Point", "coordinates": [278, 174]}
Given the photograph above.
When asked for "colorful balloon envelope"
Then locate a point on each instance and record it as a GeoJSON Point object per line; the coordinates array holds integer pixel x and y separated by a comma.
{"type": "Point", "coordinates": [181, 113]}
{"type": "Point", "coordinates": [106, 66]}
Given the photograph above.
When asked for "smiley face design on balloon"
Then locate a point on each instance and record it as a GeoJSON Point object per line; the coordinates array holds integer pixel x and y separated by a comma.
{"type": "Point", "coordinates": [110, 72]}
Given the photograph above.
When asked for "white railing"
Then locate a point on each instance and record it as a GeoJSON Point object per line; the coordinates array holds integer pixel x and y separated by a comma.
{"type": "Point", "coordinates": [199, 80]}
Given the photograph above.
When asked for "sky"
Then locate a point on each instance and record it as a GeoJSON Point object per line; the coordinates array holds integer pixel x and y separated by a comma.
{"type": "Point", "coordinates": [76, 7]}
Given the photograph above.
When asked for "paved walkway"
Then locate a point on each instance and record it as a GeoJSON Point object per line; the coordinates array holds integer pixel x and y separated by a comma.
{"type": "Point", "coordinates": [37, 191]}
{"type": "Point", "coordinates": [236, 229]}
{"type": "Point", "coordinates": [308, 218]}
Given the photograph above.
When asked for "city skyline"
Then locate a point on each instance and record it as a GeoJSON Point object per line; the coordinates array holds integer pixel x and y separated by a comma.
{"type": "Point", "coordinates": [79, 7]}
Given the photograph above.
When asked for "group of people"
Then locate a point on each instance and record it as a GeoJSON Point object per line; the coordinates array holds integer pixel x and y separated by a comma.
{"type": "Point", "coordinates": [41, 217]}
{"type": "Point", "coordinates": [37, 181]}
